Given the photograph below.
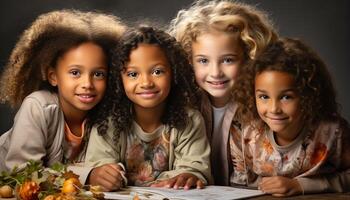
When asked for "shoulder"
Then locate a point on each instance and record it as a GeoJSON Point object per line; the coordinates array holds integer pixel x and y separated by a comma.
{"type": "Point", "coordinates": [332, 126]}
{"type": "Point", "coordinates": [41, 104]}
{"type": "Point", "coordinates": [43, 97]}
{"type": "Point", "coordinates": [194, 115]}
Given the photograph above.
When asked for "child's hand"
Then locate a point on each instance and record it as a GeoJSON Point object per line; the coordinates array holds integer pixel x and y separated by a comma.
{"type": "Point", "coordinates": [185, 180]}
{"type": "Point", "coordinates": [280, 186]}
{"type": "Point", "coordinates": [108, 176]}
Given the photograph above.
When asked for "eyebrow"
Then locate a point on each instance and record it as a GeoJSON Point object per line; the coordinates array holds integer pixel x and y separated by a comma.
{"type": "Point", "coordinates": [81, 66]}
{"type": "Point", "coordinates": [283, 91]}
{"type": "Point", "coordinates": [153, 65]}
{"type": "Point", "coordinates": [224, 55]}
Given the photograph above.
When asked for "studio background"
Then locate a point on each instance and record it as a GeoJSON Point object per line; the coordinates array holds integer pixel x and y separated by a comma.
{"type": "Point", "coordinates": [323, 25]}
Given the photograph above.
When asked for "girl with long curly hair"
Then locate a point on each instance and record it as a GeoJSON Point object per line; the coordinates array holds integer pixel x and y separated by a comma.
{"type": "Point", "coordinates": [153, 135]}
{"type": "Point", "coordinates": [57, 74]}
{"type": "Point", "coordinates": [295, 140]}
{"type": "Point", "coordinates": [220, 37]}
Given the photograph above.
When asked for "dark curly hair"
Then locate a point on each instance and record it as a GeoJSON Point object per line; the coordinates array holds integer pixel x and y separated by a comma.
{"type": "Point", "coordinates": [312, 79]}
{"type": "Point", "coordinates": [183, 85]}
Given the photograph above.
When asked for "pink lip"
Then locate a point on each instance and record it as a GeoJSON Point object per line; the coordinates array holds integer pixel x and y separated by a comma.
{"type": "Point", "coordinates": [86, 98]}
{"type": "Point", "coordinates": [277, 120]}
{"type": "Point", "coordinates": [147, 94]}
{"type": "Point", "coordinates": [218, 84]}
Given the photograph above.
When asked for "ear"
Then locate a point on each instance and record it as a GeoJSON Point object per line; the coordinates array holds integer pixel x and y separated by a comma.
{"type": "Point", "coordinates": [52, 77]}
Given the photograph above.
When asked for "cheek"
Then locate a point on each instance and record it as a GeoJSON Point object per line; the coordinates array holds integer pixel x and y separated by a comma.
{"type": "Point", "coordinates": [199, 74]}
{"type": "Point", "coordinates": [102, 85]}
{"type": "Point", "coordinates": [232, 72]}
{"type": "Point", "coordinates": [166, 84]}
{"type": "Point", "coordinates": [295, 111]}
{"type": "Point", "coordinates": [260, 107]}
{"type": "Point", "coordinates": [127, 85]}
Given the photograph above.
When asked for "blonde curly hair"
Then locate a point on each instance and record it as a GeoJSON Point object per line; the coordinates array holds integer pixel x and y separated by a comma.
{"type": "Point", "coordinates": [252, 26]}
{"type": "Point", "coordinates": [47, 39]}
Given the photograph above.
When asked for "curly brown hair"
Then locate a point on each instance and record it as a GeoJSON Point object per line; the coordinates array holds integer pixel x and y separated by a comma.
{"type": "Point", "coordinates": [312, 79]}
{"type": "Point", "coordinates": [48, 38]}
{"type": "Point", "coordinates": [182, 85]}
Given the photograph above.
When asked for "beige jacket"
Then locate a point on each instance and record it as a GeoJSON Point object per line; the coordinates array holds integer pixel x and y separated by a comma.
{"type": "Point", "coordinates": [221, 174]}
{"type": "Point", "coordinates": [38, 134]}
{"type": "Point", "coordinates": [188, 152]}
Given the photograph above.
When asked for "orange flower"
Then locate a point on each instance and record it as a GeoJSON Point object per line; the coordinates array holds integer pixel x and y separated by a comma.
{"type": "Point", "coordinates": [319, 153]}
{"type": "Point", "coordinates": [29, 190]}
{"type": "Point", "coordinates": [267, 169]}
{"type": "Point", "coordinates": [267, 146]}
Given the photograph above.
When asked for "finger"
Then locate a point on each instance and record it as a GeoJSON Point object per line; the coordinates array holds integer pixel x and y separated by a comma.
{"type": "Point", "coordinates": [180, 182]}
{"type": "Point", "coordinates": [114, 170]}
{"type": "Point", "coordinates": [160, 184]}
{"type": "Point", "coordinates": [279, 195]}
{"type": "Point", "coordinates": [112, 177]}
{"type": "Point", "coordinates": [107, 185]}
{"type": "Point", "coordinates": [200, 184]}
{"type": "Point", "coordinates": [116, 166]}
{"type": "Point", "coordinates": [190, 182]}
{"type": "Point", "coordinates": [267, 180]}
{"type": "Point", "coordinates": [171, 182]}
{"type": "Point", "coordinates": [274, 190]}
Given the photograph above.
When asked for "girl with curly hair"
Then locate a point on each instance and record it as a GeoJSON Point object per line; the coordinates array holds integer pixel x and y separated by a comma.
{"type": "Point", "coordinates": [295, 140]}
{"type": "Point", "coordinates": [57, 74]}
{"type": "Point", "coordinates": [220, 38]}
{"type": "Point", "coordinates": [153, 135]}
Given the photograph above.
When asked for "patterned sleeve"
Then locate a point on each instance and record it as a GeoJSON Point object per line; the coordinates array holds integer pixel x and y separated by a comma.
{"type": "Point", "coordinates": [340, 180]}
{"type": "Point", "coordinates": [241, 159]}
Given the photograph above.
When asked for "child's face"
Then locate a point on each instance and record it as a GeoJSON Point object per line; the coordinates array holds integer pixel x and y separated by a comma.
{"type": "Point", "coordinates": [278, 104]}
{"type": "Point", "coordinates": [216, 57]}
{"type": "Point", "coordinates": [147, 77]}
{"type": "Point", "coordinates": [81, 77]}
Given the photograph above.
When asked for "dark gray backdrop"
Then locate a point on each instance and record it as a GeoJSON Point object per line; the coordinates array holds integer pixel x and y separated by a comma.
{"type": "Point", "coordinates": [324, 25]}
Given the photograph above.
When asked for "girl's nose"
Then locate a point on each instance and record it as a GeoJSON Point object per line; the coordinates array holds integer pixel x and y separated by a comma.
{"type": "Point", "coordinates": [87, 82]}
{"type": "Point", "coordinates": [147, 82]}
{"type": "Point", "coordinates": [215, 71]}
{"type": "Point", "coordinates": [274, 107]}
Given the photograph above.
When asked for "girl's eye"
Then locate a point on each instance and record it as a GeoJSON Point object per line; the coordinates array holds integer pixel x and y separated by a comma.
{"type": "Point", "coordinates": [157, 72]}
{"type": "Point", "coordinates": [202, 61]}
{"type": "Point", "coordinates": [286, 97]}
{"type": "Point", "coordinates": [263, 96]}
{"type": "Point", "coordinates": [228, 60]}
{"type": "Point", "coordinates": [131, 74]}
{"type": "Point", "coordinates": [75, 73]}
{"type": "Point", "coordinates": [100, 74]}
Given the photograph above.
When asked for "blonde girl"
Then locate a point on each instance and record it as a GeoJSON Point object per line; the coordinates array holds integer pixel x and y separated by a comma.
{"type": "Point", "coordinates": [57, 76]}
{"type": "Point", "coordinates": [220, 38]}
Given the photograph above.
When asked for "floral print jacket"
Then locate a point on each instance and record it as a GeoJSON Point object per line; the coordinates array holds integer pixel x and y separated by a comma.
{"type": "Point", "coordinates": [188, 152]}
{"type": "Point", "coordinates": [318, 159]}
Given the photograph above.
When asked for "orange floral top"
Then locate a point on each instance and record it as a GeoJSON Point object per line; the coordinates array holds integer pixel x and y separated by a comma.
{"type": "Point", "coordinates": [312, 154]}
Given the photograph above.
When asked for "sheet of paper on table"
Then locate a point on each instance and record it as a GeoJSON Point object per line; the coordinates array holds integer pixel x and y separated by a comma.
{"type": "Point", "coordinates": [209, 192]}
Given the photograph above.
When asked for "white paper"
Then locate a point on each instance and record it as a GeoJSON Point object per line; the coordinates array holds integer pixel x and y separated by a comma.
{"type": "Point", "coordinates": [208, 193]}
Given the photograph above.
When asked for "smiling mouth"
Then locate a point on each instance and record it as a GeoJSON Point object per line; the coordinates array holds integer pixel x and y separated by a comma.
{"type": "Point", "coordinates": [218, 82]}
{"type": "Point", "coordinates": [277, 119]}
{"type": "Point", "coordinates": [86, 98]}
{"type": "Point", "coordinates": [148, 94]}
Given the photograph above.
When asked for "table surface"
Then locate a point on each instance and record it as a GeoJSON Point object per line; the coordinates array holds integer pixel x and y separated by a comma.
{"type": "Point", "coordinates": [333, 196]}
